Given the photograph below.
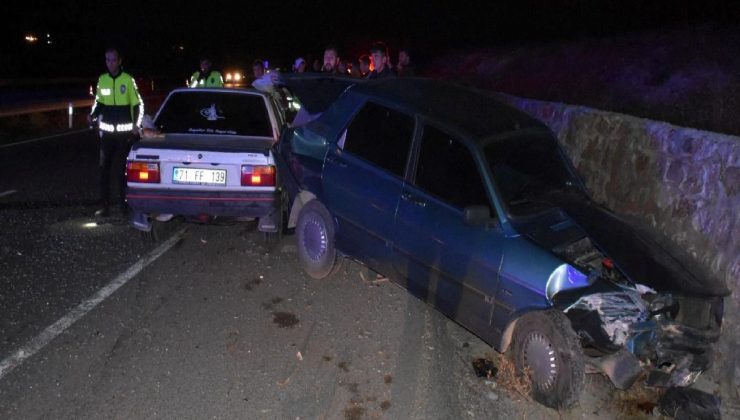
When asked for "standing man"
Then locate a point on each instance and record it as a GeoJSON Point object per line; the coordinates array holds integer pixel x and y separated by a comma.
{"type": "Point", "coordinates": [118, 111]}
{"type": "Point", "coordinates": [364, 65]}
{"type": "Point", "coordinates": [405, 67]}
{"type": "Point", "coordinates": [205, 77]}
{"type": "Point", "coordinates": [331, 60]}
{"type": "Point", "coordinates": [299, 66]}
{"type": "Point", "coordinates": [379, 54]}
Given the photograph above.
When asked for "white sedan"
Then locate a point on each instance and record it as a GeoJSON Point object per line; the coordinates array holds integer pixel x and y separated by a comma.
{"type": "Point", "coordinates": [207, 155]}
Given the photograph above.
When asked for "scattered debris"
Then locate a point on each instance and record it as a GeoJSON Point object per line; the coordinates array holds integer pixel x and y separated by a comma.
{"type": "Point", "coordinates": [299, 356]}
{"type": "Point", "coordinates": [689, 403]}
{"type": "Point", "coordinates": [354, 413]}
{"type": "Point", "coordinates": [622, 367]}
{"type": "Point", "coordinates": [283, 383]}
{"type": "Point", "coordinates": [343, 366]}
{"type": "Point", "coordinates": [518, 386]}
{"type": "Point", "coordinates": [387, 378]}
{"type": "Point", "coordinates": [269, 305]}
{"type": "Point", "coordinates": [638, 400]}
{"type": "Point", "coordinates": [380, 279]}
{"type": "Point", "coordinates": [284, 319]}
{"type": "Point", "coordinates": [385, 405]}
{"type": "Point", "coordinates": [251, 283]}
{"type": "Point", "coordinates": [485, 368]}
{"type": "Point", "coordinates": [202, 240]}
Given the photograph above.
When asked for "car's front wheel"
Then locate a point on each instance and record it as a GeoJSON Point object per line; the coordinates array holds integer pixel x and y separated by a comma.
{"type": "Point", "coordinates": [315, 237]}
{"type": "Point", "coordinates": [548, 354]}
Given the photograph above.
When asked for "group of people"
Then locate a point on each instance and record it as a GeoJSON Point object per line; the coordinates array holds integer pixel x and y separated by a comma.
{"type": "Point", "coordinates": [375, 65]}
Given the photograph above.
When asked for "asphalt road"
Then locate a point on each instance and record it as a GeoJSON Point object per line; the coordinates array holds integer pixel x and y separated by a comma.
{"type": "Point", "coordinates": [218, 325]}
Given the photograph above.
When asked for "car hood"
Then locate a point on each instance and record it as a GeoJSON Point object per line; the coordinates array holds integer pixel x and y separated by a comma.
{"type": "Point", "coordinates": [638, 255]}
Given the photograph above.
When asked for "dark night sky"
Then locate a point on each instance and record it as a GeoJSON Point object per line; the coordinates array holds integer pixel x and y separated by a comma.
{"type": "Point", "coordinates": [236, 32]}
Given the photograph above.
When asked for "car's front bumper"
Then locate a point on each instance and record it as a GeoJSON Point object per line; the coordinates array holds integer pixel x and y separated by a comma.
{"type": "Point", "coordinates": [668, 335]}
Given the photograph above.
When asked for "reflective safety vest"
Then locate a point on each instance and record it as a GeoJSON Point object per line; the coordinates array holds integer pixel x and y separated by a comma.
{"type": "Point", "coordinates": [118, 105]}
{"type": "Point", "coordinates": [214, 79]}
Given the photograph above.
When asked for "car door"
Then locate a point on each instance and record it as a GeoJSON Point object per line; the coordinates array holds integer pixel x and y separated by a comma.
{"type": "Point", "coordinates": [362, 180]}
{"type": "Point", "coordinates": [446, 262]}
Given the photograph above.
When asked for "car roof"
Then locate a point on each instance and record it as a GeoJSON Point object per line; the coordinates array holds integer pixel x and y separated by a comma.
{"type": "Point", "coordinates": [476, 113]}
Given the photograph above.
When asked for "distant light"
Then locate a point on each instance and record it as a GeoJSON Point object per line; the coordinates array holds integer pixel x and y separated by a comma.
{"type": "Point", "coordinates": [90, 225]}
{"type": "Point", "coordinates": [30, 38]}
{"type": "Point", "coordinates": [181, 47]}
{"type": "Point", "coordinates": [237, 77]}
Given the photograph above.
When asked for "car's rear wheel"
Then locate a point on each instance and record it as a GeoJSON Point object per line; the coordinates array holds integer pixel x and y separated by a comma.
{"type": "Point", "coordinates": [547, 353]}
{"type": "Point", "coordinates": [315, 240]}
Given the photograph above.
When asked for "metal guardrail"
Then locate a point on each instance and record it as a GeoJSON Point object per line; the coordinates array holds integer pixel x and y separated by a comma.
{"type": "Point", "coordinates": [45, 107]}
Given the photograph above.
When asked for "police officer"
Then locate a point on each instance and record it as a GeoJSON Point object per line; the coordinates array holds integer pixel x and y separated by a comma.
{"type": "Point", "coordinates": [205, 77]}
{"type": "Point", "coordinates": [118, 111]}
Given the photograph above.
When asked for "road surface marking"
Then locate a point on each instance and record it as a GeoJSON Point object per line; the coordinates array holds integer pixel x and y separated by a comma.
{"type": "Point", "coordinates": [40, 341]}
{"type": "Point", "coordinates": [45, 138]}
{"type": "Point", "coordinates": [9, 192]}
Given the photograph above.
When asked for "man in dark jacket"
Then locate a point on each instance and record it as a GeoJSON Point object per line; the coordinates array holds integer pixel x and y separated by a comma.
{"type": "Point", "coordinates": [379, 54]}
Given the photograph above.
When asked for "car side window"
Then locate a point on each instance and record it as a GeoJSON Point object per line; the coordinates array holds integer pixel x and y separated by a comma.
{"type": "Point", "coordinates": [446, 169]}
{"type": "Point", "coordinates": [381, 136]}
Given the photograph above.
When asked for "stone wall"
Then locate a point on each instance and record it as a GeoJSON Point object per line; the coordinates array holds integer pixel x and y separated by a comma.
{"type": "Point", "coordinates": [680, 183]}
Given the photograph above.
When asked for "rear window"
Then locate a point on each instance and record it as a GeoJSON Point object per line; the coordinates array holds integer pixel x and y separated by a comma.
{"type": "Point", "coordinates": [194, 112]}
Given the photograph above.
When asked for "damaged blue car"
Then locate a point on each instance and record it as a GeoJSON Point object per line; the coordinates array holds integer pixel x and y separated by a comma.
{"type": "Point", "coordinates": [473, 207]}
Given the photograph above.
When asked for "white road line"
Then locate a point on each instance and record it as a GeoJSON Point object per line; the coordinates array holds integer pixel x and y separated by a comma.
{"type": "Point", "coordinates": [40, 341]}
{"type": "Point", "coordinates": [9, 192]}
{"type": "Point", "coordinates": [44, 138]}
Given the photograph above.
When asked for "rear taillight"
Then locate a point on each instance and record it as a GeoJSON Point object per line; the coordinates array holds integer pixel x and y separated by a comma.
{"type": "Point", "coordinates": [258, 175]}
{"type": "Point", "coordinates": [146, 172]}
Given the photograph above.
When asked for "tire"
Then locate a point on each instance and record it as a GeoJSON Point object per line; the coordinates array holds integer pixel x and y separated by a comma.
{"type": "Point", "coordinates": [315, 240]}
{"type": "Point", "coordinates": [548, 350]}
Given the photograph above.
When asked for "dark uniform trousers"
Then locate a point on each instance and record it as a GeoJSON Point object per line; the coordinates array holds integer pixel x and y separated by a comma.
{"type": "Point", "coordinates": [114, 148]}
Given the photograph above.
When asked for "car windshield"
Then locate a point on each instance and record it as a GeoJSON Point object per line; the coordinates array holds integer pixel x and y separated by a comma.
{"type": "Point", "coordinates": [527, 169]}
{"type": "Point", "coordinates": [219, 113]}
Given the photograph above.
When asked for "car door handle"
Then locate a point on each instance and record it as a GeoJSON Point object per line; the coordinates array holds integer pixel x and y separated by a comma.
{"type": "Point", "coordinates": [336, 161]}
{"type": "Point", "coordinates": [412, 199]}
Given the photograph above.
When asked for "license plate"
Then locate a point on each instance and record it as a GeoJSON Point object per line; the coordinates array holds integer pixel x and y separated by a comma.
{"type": "Point", "coordinates": [199, 176]}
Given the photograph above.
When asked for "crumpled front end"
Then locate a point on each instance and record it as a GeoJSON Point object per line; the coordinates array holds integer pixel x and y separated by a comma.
{"type": "Point", "coordinates": [668, 335]}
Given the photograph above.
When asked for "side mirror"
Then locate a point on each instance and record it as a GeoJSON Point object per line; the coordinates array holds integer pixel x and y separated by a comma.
{"type": "Point", "coordinates": [477, 215]}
